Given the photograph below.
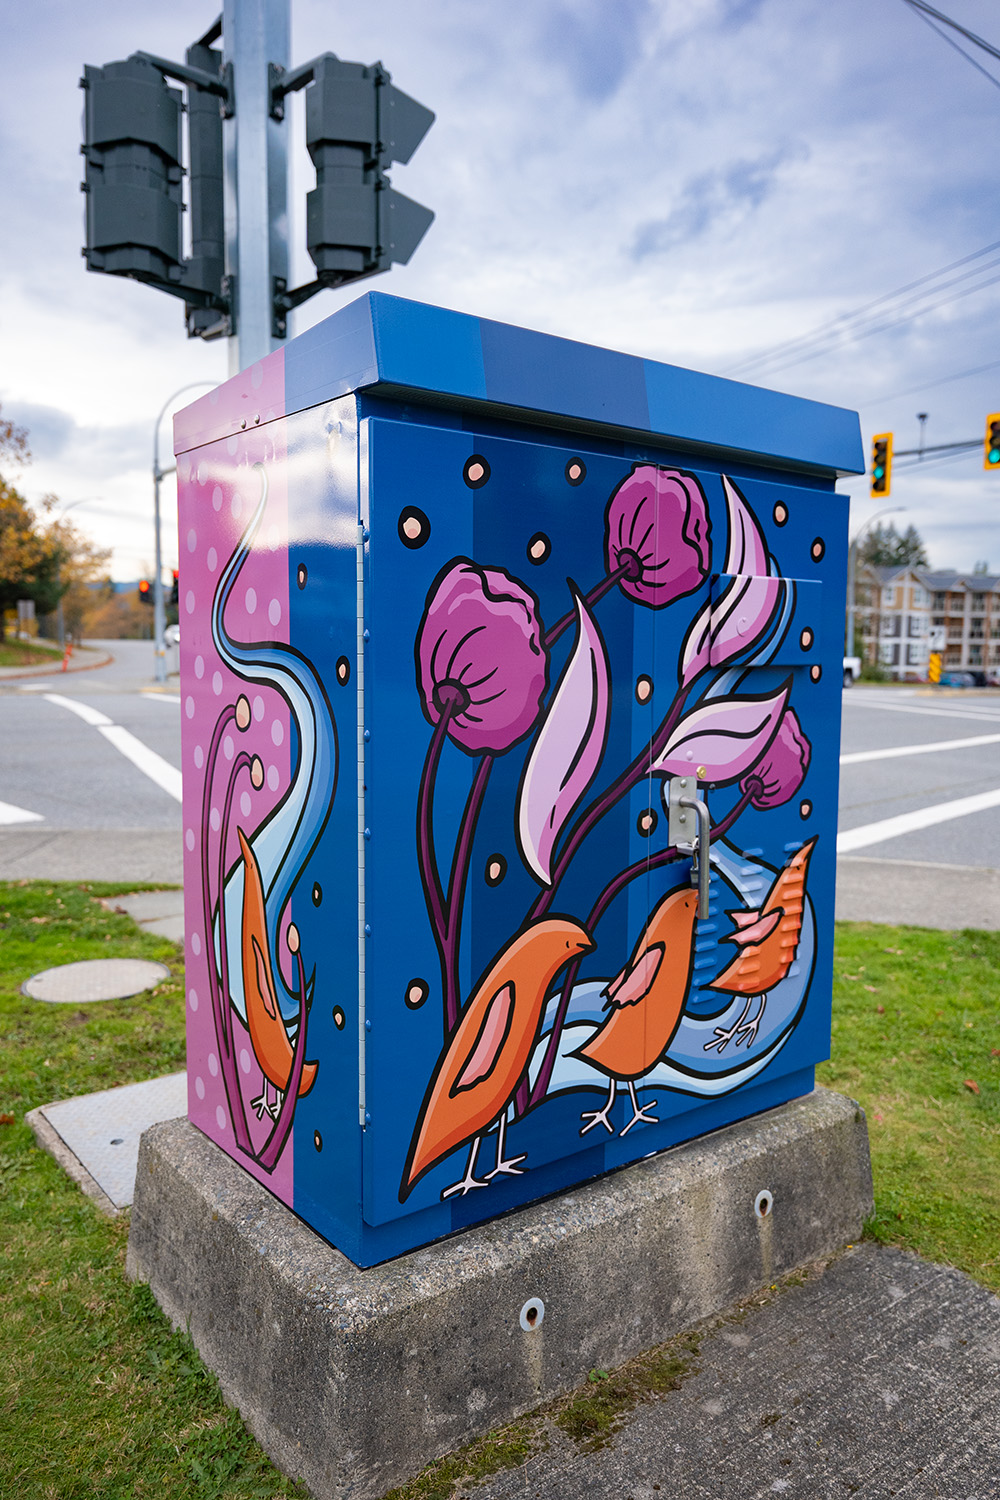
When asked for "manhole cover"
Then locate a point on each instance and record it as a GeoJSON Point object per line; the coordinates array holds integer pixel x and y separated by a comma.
{"type": "Point", "coordinates": [96, 979]}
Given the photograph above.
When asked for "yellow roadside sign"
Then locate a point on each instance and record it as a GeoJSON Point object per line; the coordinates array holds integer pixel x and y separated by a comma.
{"type": "Point", "coordinates": [934, 667]}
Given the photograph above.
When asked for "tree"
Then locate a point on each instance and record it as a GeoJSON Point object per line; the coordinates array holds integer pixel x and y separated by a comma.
{"type": "Point", "coordinates": [40, 559]}
{"type": "Point", "coordinates": [885, 547]}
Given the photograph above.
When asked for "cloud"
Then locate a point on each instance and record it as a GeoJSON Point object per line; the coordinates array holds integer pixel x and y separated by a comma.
{"type": "Point", "coordinates": [716, 199]}
{"type": "Point", "coordinates": [596, 45]}
{"type": "Point", "coordinates": [49, 429]}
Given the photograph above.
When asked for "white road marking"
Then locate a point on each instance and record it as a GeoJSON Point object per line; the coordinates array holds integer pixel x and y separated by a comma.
{"type": "Point", "coordinates": [152, 765]}
{"type": "Point", "coordinates": [11, 814]}
{"type": "Point", "coordinates": [155, 767]}
{"type": "Point", "coordinates": [149, 693]}
{"type": "Point", "coordinates": [941, 713]}
{"type": "Point", "coordinates": [924, 817]}
{"type": "Point", "coordinates": [83, 710]}
{"type": "Point", "coordinates": [857, 756]}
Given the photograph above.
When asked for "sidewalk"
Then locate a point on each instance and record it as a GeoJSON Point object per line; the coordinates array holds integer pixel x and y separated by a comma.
{"type": "Point", "coordinates": [879, 1377]}
{"type": "Point", "coordinates": [80, 661]}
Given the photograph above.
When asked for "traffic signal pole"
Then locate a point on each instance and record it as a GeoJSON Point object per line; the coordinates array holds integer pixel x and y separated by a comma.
{"type": "Point", "coordinates": [255, 33]}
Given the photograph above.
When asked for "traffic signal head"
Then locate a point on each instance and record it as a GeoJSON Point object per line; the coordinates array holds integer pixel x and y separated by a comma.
{"type": "Point", "coordinates": [132, 145]}
{"type": "Point", "coordinates": [357, 124]}
{"type": "Point", "coordinates": [991, 446]}
{"type": "Point", "coordinates": [881, 463]}
{"type": "Point", "coordinates": [175, 589]}
{"type": "Point", "coordinates": [145, 591]}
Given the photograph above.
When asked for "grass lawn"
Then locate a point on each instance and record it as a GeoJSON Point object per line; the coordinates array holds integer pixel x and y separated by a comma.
{"type": "Point", "coordinates": [27, 653]}
{"type": "Point", "coordinates": [99, 1401]}
{"type": "Point", "coordinates": [916, 1038]}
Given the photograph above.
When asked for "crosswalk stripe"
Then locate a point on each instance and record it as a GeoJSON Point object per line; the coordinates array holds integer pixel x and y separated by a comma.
{"type": "Point", "coordinates": [924, 817]}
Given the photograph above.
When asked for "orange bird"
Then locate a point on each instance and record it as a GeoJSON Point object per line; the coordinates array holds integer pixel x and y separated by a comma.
{"type": "Point", "coordinates": [646, 1001]}
{"type": "Point", "coordinates": [768, 939]}
{"type": "Point", "coordinates": [480, 1067]}
{"type": "Point", "coordinates": [268, 1036]}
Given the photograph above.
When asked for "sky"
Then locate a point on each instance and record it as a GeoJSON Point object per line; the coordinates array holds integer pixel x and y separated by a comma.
{"type": "Point", "coordinates": [694, 181]}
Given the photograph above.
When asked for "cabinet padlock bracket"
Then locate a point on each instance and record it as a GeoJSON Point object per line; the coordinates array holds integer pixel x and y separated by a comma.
{"type": "Point", "coordinates": [689, 829]}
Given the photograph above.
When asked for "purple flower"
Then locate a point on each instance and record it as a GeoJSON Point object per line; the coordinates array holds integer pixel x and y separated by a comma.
{"type": "Point", "coordinates": [481, 657]}
{"type": "Point", "coordinates": [658, 531]}
{"type": "Point", "coordinates": [781, 771]}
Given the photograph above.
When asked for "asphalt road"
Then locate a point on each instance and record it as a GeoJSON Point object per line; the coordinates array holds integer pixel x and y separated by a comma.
{"type": "Point", "coordinates": [90, 773]}
{"type": "Point", "coordinates": [919, 835]}
{"type": "Point", "coordinates": [90, 786]}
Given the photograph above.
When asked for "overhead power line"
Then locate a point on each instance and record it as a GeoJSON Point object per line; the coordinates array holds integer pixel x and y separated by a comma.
{"type": "Point", "coordinates": [939, 15]}
{"type": "Point", "coordinates": [843, 320]}
{"type": "Point", "coordinates": [854, 329]}
{"type": "Point", "coordinates": [953, 44]}
{"type": "Point", "coordinates": [929, 385]}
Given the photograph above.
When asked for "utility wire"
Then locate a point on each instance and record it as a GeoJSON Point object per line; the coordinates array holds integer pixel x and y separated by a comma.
{"type": "Point", "coordinates": [930, 385]}
{"type": "Point", "coordinates": [939, 15]}
{"type": "Point", "coordinates": [843, 320]}
{"type": "Point", "coordinates": [863, 332]}
{"type": "Point", "coordinates": [952, 43]}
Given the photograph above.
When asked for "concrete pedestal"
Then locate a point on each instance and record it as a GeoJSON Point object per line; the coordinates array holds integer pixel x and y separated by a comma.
{"type": "Point", "coordinates": [354, 1379]}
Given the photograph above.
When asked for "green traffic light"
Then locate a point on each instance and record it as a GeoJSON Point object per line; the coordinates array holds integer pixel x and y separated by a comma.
{"type": "Point", "coordinates": [995, 456]}
{"type": "Point", "coordinates": [879, 472]}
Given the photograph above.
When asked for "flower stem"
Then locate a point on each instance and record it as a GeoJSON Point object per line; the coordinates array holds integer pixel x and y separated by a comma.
{"type": "Point", "coordinates": [604, 900]}
{"type": "Point", "coordinates": [275, 1142]}
{"type": "Point", "coordinates": [456, 892]}
{"type": "Point", "coordinates": [619, 788]}
{"type": "Point", "coordinates": [241, 763]}
{"type": "Point", "coordinates": [220, 994]}
{"type": "Point", "coordinates": [596, 593]}
{"type": "Point", "coordinates": [431, 879]}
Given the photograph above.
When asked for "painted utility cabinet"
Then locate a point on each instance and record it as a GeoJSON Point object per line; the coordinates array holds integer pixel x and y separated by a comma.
{"type": "Point", "coordinates": [464, 610]}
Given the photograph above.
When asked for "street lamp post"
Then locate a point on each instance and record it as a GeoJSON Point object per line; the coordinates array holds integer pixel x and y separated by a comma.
{"type": "Point", "coordinates": [159, 611]}
{"type": "Point", "coordinates": [852, 556]}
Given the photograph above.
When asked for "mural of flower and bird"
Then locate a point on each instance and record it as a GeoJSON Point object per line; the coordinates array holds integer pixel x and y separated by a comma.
{"type": "Point", "coordinates": [594, 994]}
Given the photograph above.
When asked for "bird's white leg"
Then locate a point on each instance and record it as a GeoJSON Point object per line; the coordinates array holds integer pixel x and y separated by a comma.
{"type": "Point", "coordinates": [749, 1031]}
{"type": "Point", "coordinates": [637, 1113]}
{"type": "Point", "coordinates": [260, 1104]}
{"type": "Point", "coordinates": [511, 1167]}
{"type": "Point", "coordinates": [470, 1180]}
{"type": "Point", "coordinates": [722, 1037]}
{"type": "Point", "coordinates": [600, 1116]}
{"type": "Point", "coordinates": [276, 1107]}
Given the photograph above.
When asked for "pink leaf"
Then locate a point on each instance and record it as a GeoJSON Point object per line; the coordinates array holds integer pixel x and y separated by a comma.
{"type": "Point", "coordinates": [695, 653]}
{"type": "Point", "coordinates": [710, 641]}
{"type": "Point", "coordinates": [567, 749]}
{"type": "Point", "coordinates": [747, 551]}
{"type": "Point", "coordinates": [742, 614]}
{"type": "Point", "coordinates": [726, 737]}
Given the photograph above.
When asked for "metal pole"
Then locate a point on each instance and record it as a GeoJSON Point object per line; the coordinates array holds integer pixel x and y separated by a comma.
{"type": "Point", "coordinates": [254, 34]}
{"type": "Point", "coordinates": [159, 612]}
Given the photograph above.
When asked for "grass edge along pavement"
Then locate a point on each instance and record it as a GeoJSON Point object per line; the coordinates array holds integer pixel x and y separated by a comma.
{"type": "Point", "coordinates": [98, 1398]}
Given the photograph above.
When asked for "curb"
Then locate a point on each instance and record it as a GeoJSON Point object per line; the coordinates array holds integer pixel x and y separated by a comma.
{"type": "Point", "coordinates": [16, 674]}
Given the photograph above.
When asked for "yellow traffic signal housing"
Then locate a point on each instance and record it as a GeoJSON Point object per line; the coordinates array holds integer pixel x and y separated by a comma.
{"type": "Point", "coordinates": [991, 444]}
{"type": "Point", "coordinates": [881, 463]}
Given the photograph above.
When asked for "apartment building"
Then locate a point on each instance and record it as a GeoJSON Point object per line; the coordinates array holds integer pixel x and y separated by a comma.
{"type": "Point", "coordinates": [899, 611]}
{"type": "Point", "coordinates": [967, 607]}
{"type": "Point", "coordinates": [894, 617]}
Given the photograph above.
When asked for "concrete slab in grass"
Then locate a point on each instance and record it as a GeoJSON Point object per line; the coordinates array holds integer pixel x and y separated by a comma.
{"type": "Point", "coordinates": [96, 1136]}
{"type": "Point", "coordinates": [160, 912]}
{"type": "Point", "coordinates": [354, 1379]}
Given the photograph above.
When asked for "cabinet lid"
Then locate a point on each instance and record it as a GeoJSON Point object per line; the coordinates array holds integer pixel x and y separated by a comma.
{"type": "Point", "coordinates": [409, 350]}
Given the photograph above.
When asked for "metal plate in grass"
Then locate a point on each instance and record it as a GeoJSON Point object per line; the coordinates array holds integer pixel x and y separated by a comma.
{"type": "Point", "coordinates": [95, 979]}
{"type": "Point", "coordinates": [96, 1136]}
